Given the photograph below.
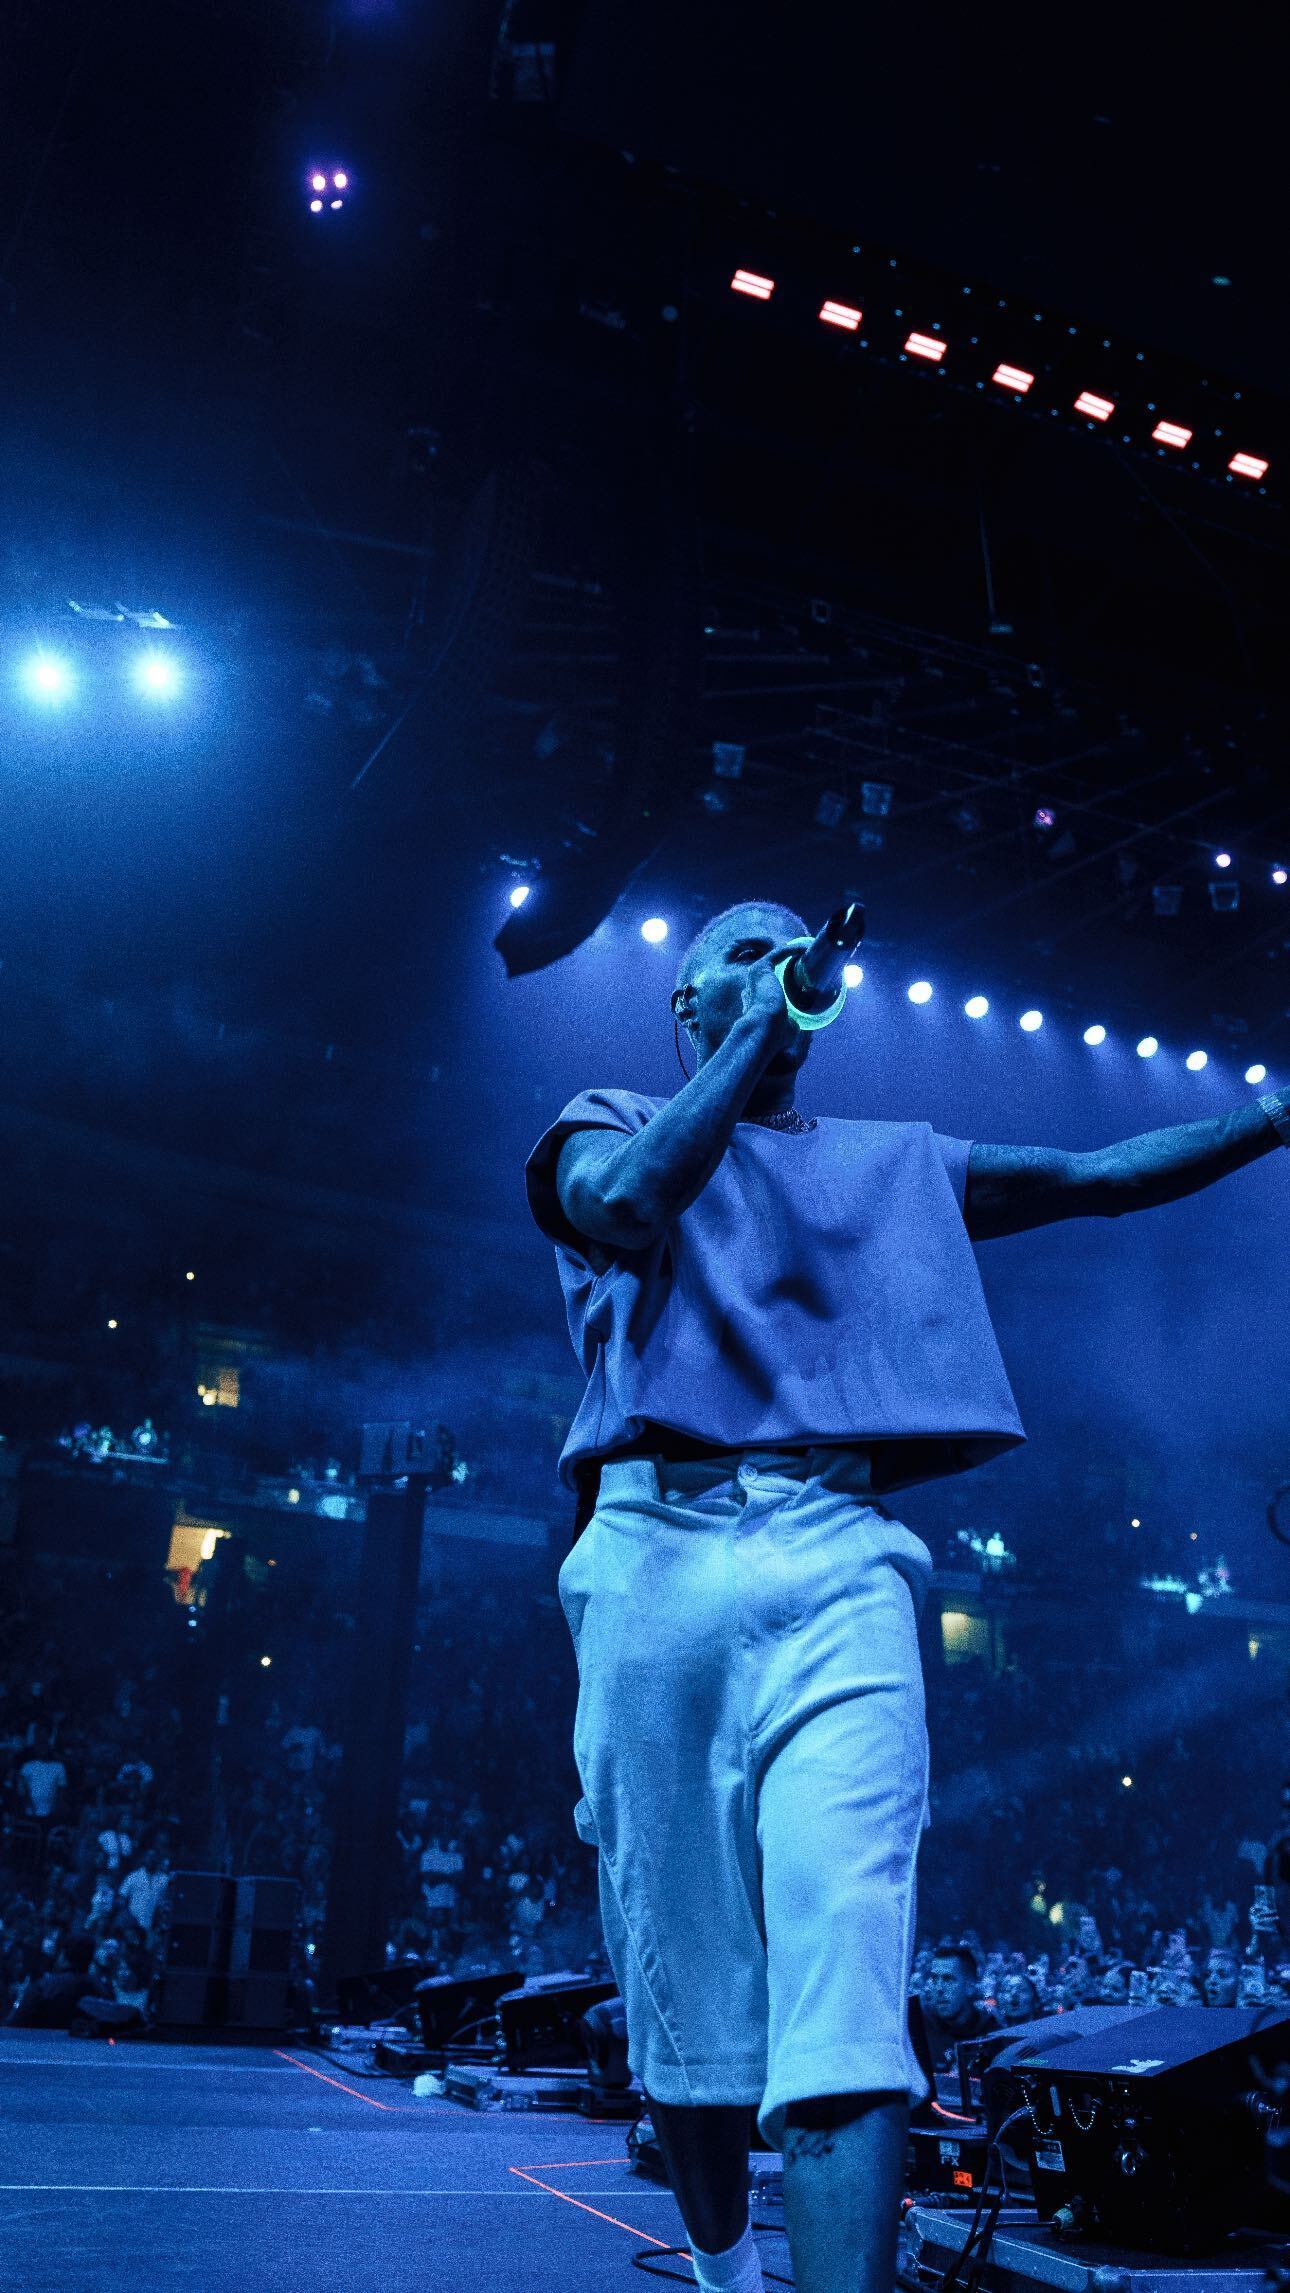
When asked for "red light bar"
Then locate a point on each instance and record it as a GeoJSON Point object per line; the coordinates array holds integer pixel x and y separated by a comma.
{"type": "Point", "coordinates": [1247, 466]}
{"type": "Point", "coordinates": [1171, 434]}
{"type": "Point", "coordinates": [925, 346]}
{"type": "Point", "coordinates": [1012, 377]}
{"type": "Point", "coordinates": [750, 283]}
{"type": "Point", "coordinates": [1097, 409]}
{"type": "Point", "coordinates": [841, 314]}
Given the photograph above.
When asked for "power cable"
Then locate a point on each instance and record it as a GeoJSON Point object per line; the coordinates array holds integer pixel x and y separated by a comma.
{"type": "Point", "coordinates": [991, 2203]}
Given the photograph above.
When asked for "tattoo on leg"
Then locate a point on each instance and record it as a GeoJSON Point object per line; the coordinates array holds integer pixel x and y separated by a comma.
{"type": "Point", "coordinates": [806, 2142]}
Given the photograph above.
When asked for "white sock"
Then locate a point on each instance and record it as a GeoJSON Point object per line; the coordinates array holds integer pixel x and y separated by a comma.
{"type": "Point", "coordinates": [737, 2270]}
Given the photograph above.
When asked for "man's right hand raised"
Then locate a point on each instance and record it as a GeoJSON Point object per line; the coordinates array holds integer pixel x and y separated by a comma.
{"type": "Point", "coordinates": [765, 1001]}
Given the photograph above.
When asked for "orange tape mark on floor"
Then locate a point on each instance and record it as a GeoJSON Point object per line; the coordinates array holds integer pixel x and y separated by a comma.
{"type": "Point", "coordinates": [397, 2108]}
{"type": "Point", "coordinates": [583, 2207]}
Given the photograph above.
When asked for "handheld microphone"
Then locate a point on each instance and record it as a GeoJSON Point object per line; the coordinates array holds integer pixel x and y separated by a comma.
{"type": "Point", "coordinates": [812, 980]}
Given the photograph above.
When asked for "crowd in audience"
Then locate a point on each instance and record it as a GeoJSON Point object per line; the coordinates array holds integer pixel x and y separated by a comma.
{"type": "Point", "coordinates": [490, 1859]}
{"type": "Point", "coordinates": [103, 1789]}
{"type": "Point", "coordinates": [965, 1990]}
{"type": "Point", "coordinates": [1087, 1843]}
{"type": "Point", "coordinates": [91, 1793]}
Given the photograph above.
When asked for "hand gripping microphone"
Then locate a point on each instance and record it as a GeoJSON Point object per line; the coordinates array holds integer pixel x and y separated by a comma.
{"type": "Point", "coordinates": [814, 988]}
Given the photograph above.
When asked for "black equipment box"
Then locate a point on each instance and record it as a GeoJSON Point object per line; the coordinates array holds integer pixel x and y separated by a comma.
{"type": "Point", "coordinates": [1019, 2039]}
{"type": "Point", "coordinates": [1154, 2134]}
{"type": "Point", "coordinates": [948, 2157]}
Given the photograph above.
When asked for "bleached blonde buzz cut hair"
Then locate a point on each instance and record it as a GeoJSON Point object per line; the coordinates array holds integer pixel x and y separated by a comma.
{"type": "Point", "coordinates": [787, 918]}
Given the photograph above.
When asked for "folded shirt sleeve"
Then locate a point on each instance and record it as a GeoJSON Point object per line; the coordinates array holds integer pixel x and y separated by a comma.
{"type": "Point", "coordinates": [606, 1110]}
{"type": "Point", "coordinates": [954, 1154]}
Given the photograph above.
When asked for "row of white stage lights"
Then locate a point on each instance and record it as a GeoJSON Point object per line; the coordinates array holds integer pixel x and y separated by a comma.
{"type": "Point", "coordinates": [655, 931]}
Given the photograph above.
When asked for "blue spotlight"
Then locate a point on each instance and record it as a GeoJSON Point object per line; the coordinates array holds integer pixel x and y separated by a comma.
{"type": "Point", "coordinates": [1148, 1047]}
{"type": "Point", "coordinates": [156, 675]}
{"type": "Point", "coordinates": [852, 974]}
{"type": "Point", "coordinates": [976, 1007]}
{"type": "Point", "coordinates": [920, 992]}
{"type": "Point", "coordinates": [1095, 1035]}
{"type": "Point", "coordinates": [47, 678]}
{"type": "Point", "coordinates": [654, 930]}
{"type": "Point", "coordinates": [1222, 859]}
{"type": "Point", "coordinates": [1279, 876]}
{"type": "Point", "coordinates": [1256, 1074]}
{"type": "Point", "coordinates": [1196, 1060]}
{"type": "Point", "coordinates": [1032, 1021]}
{"type": "Point", "coordinates": [519, 894]}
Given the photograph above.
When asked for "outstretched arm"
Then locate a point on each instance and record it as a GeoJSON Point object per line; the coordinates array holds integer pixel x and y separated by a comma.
{"type": "Point", "coordinates": [1012, 1188]}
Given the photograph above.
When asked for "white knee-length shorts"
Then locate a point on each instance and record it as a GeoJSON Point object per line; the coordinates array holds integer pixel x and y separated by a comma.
{"type": "Point", "coordinates": [751, 1741]}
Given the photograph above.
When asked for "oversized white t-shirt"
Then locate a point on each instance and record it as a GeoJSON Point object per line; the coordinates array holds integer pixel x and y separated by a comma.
{"type": "Point", "coordinates": [820, 1290]}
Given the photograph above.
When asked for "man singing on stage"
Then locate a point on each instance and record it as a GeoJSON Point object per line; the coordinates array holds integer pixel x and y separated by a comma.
{"type": "Point", "coordinates": [781, 1322]}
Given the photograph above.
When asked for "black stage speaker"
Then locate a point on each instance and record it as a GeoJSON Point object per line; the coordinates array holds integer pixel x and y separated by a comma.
{"type": "Point", "coordinates": [227, 1953]}
{"type": "Point", "coordinates": [387, 1995]}
{"type": "Point", "coordinates": [1017, 2042]}
{"type": "Point", "coordinates": [197, 1915]}
{"type": "Point", "coordinates": [262, 1939]}
{"type": "Point", "coordinates": [948, 2145]}
{"type": "Point", "coordinates": [1153, 2134]}
{"type": "Point", "coordinates": [539, 2017]}
{"type": "Point", "coordinates": [539, 2022]}
{"type": "Point", "coordinates": [451, 2004]}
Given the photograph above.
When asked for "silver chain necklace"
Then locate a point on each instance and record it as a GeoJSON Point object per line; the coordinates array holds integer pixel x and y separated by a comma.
{"type": "Point", "coordinates": [786, 1119]}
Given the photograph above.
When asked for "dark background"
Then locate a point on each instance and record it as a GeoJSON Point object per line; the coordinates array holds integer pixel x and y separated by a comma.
{"type": "Point", "coordinates": [482, 510]}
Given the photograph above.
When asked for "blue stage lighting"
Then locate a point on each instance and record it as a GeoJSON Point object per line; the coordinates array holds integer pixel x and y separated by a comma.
{"type": "Point", "coordinates": [156, 676]}
{"type": "Point", "coordinates": [976, 1007]}
{"type": "Point", "coordinates": [654, 930]}
{"type": "Point", "coordinates": [1278, 876]}
{"type": "Point", "coordinates": [1196, 1060]}
{"type": "Point", "coordinates": [1256, 1074]}
{"type": "Point", "coordinates": [852, 974]}
{"type": "Point", "coordinates": [1222, 859]}
{"type": "Point", "coordinates": [47, 678]}
{"type": "Point", "coordinates": [519, 894]}
{"type": "Point", "coordinates": [1095, 1035]}
{"type": "Point", "coordinates": [920, 992]}
{"type": "Point", "coordinates": [1148, 1047]}
{"type": "Point", "coordinates": [1031, 1021]}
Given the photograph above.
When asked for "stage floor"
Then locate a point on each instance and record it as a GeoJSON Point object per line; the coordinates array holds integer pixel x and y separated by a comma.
{"type": "Point", "coordinates": [139, 2165]}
